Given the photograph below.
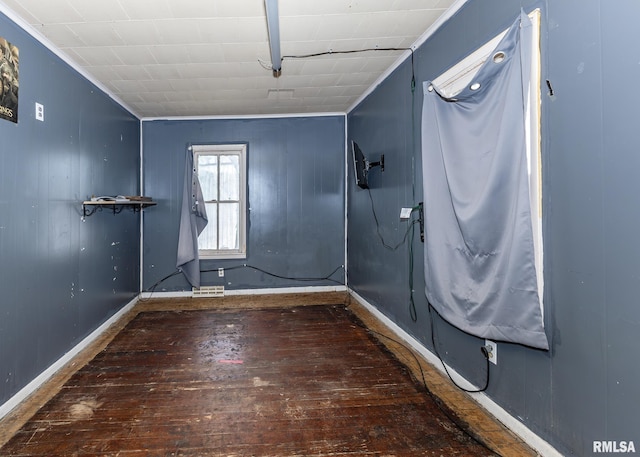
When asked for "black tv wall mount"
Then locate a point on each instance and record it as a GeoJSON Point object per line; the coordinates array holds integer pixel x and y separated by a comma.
{"type": "Point", "coordinates": [379, 163]}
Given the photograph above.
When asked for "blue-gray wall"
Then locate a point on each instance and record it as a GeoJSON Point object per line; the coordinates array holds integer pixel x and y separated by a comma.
{"type": "Point", "coordinates": [295, 192]}
{"type": "Point", "coordinates": [60, 277]}
{"type": "Point", "coordinates": [585, 387]}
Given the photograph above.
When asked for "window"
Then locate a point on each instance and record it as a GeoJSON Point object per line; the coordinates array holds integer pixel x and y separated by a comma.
{"type": "Point", "coordinates": [457, 77]}
{"type": "Point", "coordinates": [222, 173]}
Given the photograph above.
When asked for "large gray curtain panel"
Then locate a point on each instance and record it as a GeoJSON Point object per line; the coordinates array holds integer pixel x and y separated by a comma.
{"type": "Point", "coordinates": [479, 254]}
{"type": "Point", "coordinates": [193, 220]}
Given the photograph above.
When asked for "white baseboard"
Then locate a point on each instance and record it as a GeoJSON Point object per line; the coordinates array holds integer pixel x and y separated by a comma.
{"type": "Point", "coordinates": [43, 377]}
{"type": "Point", "coordinates": [517, 427]}
{"type": "Point", "coordinates": [177, 294]}
{"type": "Point", "coordinates": [269, 291]}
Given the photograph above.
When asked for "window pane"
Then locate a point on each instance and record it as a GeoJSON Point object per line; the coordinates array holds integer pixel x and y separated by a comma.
{"type": "Point", "coordinates": [208, 239]}
{"type": "Point", "coordinates": [208, 176]}
{"type": "Point", "coordinates": [229, 177]}
{"type": "Point", "coordinates": [229, 233]}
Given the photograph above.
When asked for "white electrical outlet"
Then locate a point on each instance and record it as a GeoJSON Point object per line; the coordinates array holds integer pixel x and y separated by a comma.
{"type": "Point", "coordinates": [492, 349]}
{"type": "Point", "coordinates": [221, 272]}
{"type": "Point", "coordinates": [40, 112]}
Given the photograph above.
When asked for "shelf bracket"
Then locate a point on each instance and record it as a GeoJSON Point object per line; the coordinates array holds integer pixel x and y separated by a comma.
{"type": "Point", "coordinates": [90, 208]}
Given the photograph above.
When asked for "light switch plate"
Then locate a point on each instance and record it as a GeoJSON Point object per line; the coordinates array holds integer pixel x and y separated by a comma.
{"type": "Point", "coordinates": [405, 213]}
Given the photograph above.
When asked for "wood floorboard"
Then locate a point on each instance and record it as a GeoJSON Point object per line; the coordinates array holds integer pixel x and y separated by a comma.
{"type": "Point", "coordinates": [294, 381]}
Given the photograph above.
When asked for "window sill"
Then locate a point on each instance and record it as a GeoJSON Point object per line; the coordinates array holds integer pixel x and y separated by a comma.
{"type": "Point", "coordinates": [223, 256]}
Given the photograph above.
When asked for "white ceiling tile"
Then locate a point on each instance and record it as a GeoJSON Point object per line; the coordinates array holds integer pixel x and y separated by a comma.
{"type": "Point", "coordinates": [269, 82]}
{"type": "Point", "coordinates": [354, 91]}
{"type": "Point", "coordinates": [338, 26]}
{"type": "Point", "coordinates": [151, 85]}
{"type": "Point", "coordinates": [165, 71]}
{"type": "Point", "coordinates": [405, 42]}
{"type": "Point", "coordinates": [235, 8]}
{"type": "Point", "coordinates": [420, 4]}
{"type": "Point", "coordinates": [204, 53]}
{"type": "Point", "coordinates": [220, 69]}
{"type": "Point", "coordinates": [304, 92]}
{"type": "Point", "coordinates": [173, 95]}
{"type": "Point", "coordinates": [443, 4]}
{"type": "Point", "coordinates": [131, 97]}
{"type": "Point", "coordinates": [179, 31]}
{"type": "Point", "coordinates": [349, 64]}
{"type": "Point", "coordinates": [169, 54]}
{"type": "Point", "coordinates": [379, 64]}
{"type": "Point", "coordinates": [354, 79]}
{"type": "Point", "coordinates": [97, 55]}
{"type": "Point", "coordinates": [247, 94]}
{"type": "Point", "coordinates": [135, 55]}
{"type": "Point", "coordinates": [330, 91]}
{"type": "Point", "coordinates": [47, 12]}
{"type": "Point", "coordinates": [131, 72]}
{"type": "Point", "coordinates": [413, 23]}
{"type": "Point", "coordinates": [103, 10]}
{"type": "Point", "coordinates": [288, 81]}
{"type": "Point", "coordinates": [318, 66]}
{"type": "Point", "coordinates": [298, 28]}
{"type": "Point", "coordinates": [96, 33]}
{"type": "Point", "coordinates": [75, 57]}
{"type": "Point", "coordinates": [137, 33]}
{"type": "Point", "coordinates": [146, 9]}
{"type": "Point", "coordinates": [245, 52]}
{"type": "Point", "coordinates": [379, 25]}
{"type": "Point", "coordinates": [60, 34]}
{"type": "Point", "coordinates": [192, 8]}
{"type": "Point", "coordinates": [181, 54]}
{"type": "Point", "coordinates": [211, 84]}
{"type": "Point", "coordinates": [324, 80]}
{"type": "Point", "coordinates": [125, 86]}
{"type": "Point", "coordinates": [153, 108]}
{"type": "Point", "coordinates": [314, 8]}
{"type": "Point", "coordinates": [21, 11]}
{"type": "Point", "coordinates": [233, 30]}
{"type": "Point", "coordinates": [292, 67]}
{"type": "Point", "coordinates": [153, 97]}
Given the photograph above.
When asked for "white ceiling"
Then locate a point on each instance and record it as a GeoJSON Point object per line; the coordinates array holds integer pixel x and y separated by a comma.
{"type": "Point", "coordinates": [170, 58]}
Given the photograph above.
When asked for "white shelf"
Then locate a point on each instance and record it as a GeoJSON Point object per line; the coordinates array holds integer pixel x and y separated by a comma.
{"type": "Point", "coordinates": [89, 207]}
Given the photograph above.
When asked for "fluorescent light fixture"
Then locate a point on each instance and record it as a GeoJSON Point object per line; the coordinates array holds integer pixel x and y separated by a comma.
{"type": "Point", "coordinates": [273, 28]}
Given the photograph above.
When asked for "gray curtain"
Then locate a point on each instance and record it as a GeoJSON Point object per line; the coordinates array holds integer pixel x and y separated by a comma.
{"type": "Point", "coordinates": [479, 257]}
{"type": "Point", "coordinates": [193, 220]}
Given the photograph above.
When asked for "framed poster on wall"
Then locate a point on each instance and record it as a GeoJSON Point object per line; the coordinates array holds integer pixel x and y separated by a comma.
{"type": "Point", "coordinates": [9, 57]}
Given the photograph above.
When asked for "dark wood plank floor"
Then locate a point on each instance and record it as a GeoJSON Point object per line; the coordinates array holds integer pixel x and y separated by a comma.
{"type": "Point", "coordinates": [301, 381]}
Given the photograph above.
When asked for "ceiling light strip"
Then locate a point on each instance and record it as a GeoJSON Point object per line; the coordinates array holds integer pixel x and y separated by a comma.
{"type": "Point", "coordinates": [273, 28]}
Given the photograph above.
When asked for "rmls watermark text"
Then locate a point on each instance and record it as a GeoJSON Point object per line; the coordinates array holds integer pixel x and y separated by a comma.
{"type": "Point", "coordinates": [614, 447]}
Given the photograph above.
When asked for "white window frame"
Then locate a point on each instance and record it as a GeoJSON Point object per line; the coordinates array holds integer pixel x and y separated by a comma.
{"type": "Point", "coordinates": [460, 75]}
{"type": "Point", "coordinates": [241, 151]}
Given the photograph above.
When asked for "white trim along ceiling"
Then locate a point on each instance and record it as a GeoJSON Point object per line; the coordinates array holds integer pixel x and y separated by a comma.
{"type": "Point", "coordinates": [191, 58]}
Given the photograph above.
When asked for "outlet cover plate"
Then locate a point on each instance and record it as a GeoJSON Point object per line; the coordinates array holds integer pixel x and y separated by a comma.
{"type": "Point", "coordinates": [39, 112]}
{"type": "Point", "coordinates": [493, 353]}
